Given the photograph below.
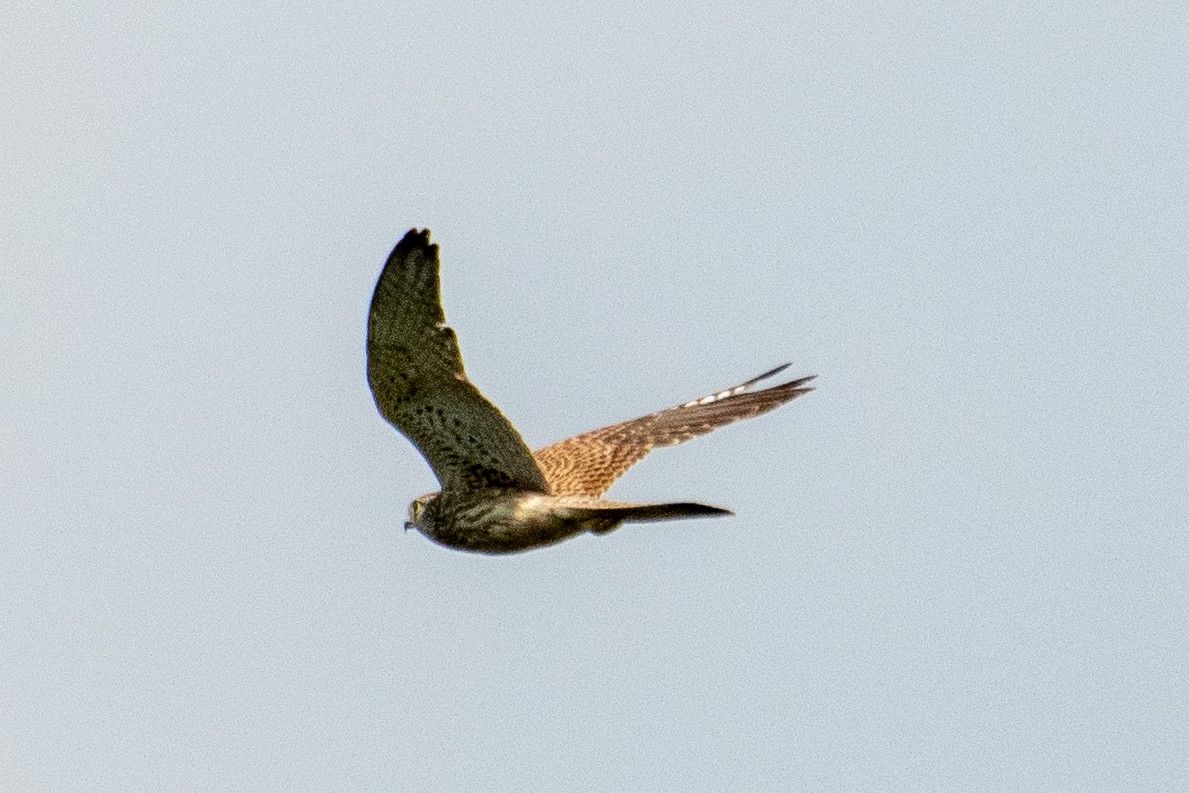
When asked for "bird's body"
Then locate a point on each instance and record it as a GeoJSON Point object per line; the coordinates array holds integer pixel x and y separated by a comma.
{"type": "Point", "coordinates": [507, 520]}
{"type": "Point", "coordinates": [497, 496]}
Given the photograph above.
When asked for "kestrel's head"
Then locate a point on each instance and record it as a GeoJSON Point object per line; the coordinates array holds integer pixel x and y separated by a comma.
{"type": "Point", "coordinates": [419, 517]}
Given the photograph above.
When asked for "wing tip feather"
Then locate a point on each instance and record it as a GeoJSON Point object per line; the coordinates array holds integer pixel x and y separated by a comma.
{"type": "Point", "coordinates": [414, 240]}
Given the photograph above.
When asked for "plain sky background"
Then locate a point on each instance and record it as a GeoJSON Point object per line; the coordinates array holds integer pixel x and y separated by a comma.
{"type": "Point", "coordinates": [960, 564]}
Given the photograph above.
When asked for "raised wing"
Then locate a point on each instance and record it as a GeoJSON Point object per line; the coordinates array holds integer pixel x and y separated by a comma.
{"type": "Point", "coordinates": [587, 464]}
{"type": "Point", "coordinates": [416, 375]}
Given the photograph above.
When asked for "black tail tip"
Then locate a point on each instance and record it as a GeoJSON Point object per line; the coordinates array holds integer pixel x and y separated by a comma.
{"type": "Point", "coordinates": [703, 510]}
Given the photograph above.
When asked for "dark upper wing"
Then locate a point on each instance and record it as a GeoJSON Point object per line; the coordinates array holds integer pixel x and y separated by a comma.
{"type": "Point", "coordinates": [416, 375]}
{"type": "Point", "coordinates": [587, 464]}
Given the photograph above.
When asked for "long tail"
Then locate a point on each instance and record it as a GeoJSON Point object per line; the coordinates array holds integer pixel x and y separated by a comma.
{"type": "Point", "coordinates": [600, 516]}
{"type": "Point", "coordinates": [642, 513]}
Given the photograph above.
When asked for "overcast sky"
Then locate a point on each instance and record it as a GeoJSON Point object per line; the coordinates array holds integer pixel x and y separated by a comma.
{"type": "Point", "coordinates": [959, 564]}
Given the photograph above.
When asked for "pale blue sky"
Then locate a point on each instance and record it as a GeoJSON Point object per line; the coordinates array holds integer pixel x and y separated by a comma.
{"type": "Point", "coordinates": [960, 564]}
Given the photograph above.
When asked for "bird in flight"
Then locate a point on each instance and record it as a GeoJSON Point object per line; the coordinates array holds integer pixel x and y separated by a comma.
{"type": "Point", "coordinates": [497, 496]}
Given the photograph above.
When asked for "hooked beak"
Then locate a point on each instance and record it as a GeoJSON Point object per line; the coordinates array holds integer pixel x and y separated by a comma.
{"type": "Point", "coordinates": [408, 525]}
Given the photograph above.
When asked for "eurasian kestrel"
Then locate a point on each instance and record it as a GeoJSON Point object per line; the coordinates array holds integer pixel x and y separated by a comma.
{"type": "Point", "coordinates": [497, 496]}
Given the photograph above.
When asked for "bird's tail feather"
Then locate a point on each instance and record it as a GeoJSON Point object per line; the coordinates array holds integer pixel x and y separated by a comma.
{"type": "Point", "coordinates": [608, 515]}
{"type": "Point", "coordinates": [600, 516]}
{"type": "Point", "coordinates": [642, 513]}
